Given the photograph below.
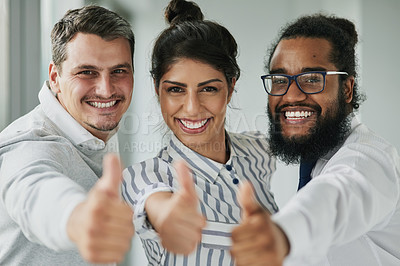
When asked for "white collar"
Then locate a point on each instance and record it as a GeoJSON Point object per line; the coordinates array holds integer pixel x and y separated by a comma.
{"type": "Point", "coordinates": [200, 164]}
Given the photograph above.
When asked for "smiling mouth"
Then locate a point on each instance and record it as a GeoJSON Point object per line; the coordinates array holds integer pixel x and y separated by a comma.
{"type": "Point", "coordinates": [298, 114]}
{"type": "Point", "coordinates": [193, 124]}
{"type": "Point", "coordinates": [102, 105]}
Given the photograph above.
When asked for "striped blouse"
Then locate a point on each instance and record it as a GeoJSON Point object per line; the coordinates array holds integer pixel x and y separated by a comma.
{"type": "Point", "coordinates": [216, 185]}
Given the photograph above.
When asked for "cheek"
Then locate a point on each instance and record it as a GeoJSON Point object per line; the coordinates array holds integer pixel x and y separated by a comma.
{"type": "Point", "coordinates": [127, 85]}
{"type": "Point", "coordinates": [218, 108]}
{"type": "Point", "coordinates": [327, 102]}
{"type": "Point", "coordinates": [272, 103]}
{"type": "Point", "coordinates": [168, 107]}
{"type": "Point", "coordinates": [128, 94]}
{"type": "Point", "coordinates": [75, 91]}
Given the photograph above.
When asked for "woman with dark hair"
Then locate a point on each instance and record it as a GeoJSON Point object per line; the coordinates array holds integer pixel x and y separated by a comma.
{"type": "Point", "coordinates": [184, 219]}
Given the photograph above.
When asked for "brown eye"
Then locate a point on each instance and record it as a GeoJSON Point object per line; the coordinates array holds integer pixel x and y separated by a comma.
{"type": "Point", "coordinates": [119, 71]}
{"type": "Point", "coordinates": [86, 72]}
{"type": "Point", "coordinates": [209, 89]}
{"type": "Point", "coordinates": [174, 89]}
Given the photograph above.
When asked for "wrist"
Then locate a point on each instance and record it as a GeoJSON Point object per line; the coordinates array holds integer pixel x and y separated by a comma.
{"type": "Point", "coordinates": [155, 206]}
{"type": "Point", "coordinates": [283, 241]}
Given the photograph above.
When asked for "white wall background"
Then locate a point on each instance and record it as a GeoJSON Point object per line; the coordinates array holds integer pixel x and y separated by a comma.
{"type": "Point", "coordinates": [254, 24]}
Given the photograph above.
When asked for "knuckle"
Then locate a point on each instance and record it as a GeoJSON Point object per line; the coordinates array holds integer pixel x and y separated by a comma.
{"type": "Point", "coordinates": [91, 233]}
{"type": "Point", "coordinates": [234, 234]}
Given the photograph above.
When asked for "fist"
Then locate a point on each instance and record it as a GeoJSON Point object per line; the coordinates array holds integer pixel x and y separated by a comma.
{"type": "Point", "coordinates": [102, 226]}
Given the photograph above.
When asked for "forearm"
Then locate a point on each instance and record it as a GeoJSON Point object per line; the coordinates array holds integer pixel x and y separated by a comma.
{"type": "Point", "coordinates": [331, 211]}
{"type": "Point", "coordinates": [41, 206]}
{"type": "Point", "coordinates": [155, 206]}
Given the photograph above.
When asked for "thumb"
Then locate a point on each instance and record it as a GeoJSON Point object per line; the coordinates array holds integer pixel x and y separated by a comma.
{"type": "Point", "coordinates": [111, 180]}
{"type": "Point", "coordinates": [185, 180]}
{"type": "Point", "coordinates": [247, 200]}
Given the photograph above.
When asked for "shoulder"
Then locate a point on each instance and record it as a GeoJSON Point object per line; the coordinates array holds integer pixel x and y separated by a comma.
{"type": "Point", "coordinates": [250, 140]}
{"type": "Point", "coordinates": [363, 140]}
{"type": "Point", "coordinates": [152, 167]}
{"type": "Point", "coordinates": [364, 135]}
{"type": "Point", "coordinates": [33, 138]}
{"type": "Point", "coordinates": [146, 177]}
{"type": "Point", "coordinates": [249, 135]}
{"type": "Point", "coordinates": [34, 126]}
{"type": "Point", "coordinates": [365, 151]}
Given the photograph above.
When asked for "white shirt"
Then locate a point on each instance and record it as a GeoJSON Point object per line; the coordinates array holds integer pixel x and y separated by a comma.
{"type": "Point", "coordinates": [349, 213]}
{"type": "Point", "coordinates": [216, 185]}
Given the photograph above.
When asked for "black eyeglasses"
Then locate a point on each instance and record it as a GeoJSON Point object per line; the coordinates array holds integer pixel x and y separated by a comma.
{"type": "Point", "coordinates": [308, 82]}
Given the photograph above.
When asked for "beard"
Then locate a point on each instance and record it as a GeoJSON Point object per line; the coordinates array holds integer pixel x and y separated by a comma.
{"type": "Point", "coordinates": [106, 127]}
{"type": "Point", "coordinates": [329, 131]}
{"type": "Point", "coordinates": [104, 123]}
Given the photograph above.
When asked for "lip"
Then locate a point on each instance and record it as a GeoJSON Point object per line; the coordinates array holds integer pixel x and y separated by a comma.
{"type": "Point", "coordinates": [196, 130]}
{"type": "Point", "coordinates": [298, 115]}
{"type": "Point", "coordinates": [103, 105]}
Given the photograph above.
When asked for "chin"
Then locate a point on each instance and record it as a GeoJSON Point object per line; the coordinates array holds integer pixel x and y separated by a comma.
{"type": "Point", "coordinates": [105, 127]}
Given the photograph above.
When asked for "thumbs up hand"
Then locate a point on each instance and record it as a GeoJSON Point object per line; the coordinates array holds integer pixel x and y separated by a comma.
{"type": "Point", "coordinates": [248, 202]}
{"type": "Point", "coordinates": [102, 226]}
{"type": "Point", "coordinates": [175, 216]}
{"type": "Point", "coordinates": [257, 240]}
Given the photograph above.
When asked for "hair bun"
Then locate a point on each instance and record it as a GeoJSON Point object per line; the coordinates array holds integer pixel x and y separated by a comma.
{"type": "Point", "coordinates": [181, 10]}
{"type": "Point", "coordinates": [348, 27]}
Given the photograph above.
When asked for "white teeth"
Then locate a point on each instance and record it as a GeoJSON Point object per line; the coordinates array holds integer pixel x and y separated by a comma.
{"type": "Point", "coordinates": [193, 125]}
{"type": "Point", "coordinates": [297, 114]}
{"type": "Point", "coordinates": [102, 105]}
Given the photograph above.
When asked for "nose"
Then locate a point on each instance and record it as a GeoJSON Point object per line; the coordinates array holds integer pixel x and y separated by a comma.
{"type": "Point", "coordinates": [105, 87]}
{"type": "Point", "coordinates": [192, 104]}
{"type": "Point", "coordinates": [294, 94]}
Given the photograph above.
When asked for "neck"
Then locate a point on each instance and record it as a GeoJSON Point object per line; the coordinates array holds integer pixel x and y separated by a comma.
{"type": "Point", "coordinates": [103, 135]}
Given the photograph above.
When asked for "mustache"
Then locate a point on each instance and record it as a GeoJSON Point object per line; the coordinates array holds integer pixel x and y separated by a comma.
{"type": "Point", "coordinates": [315, 107]}
{"type": "Point", "coordinates": [100, 98]}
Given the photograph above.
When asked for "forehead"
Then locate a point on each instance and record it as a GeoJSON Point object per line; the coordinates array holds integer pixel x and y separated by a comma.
{"type": "Point", "coordinates": [91, 49]}
{"type": "Point", "coordinates": [294, 55]}
{"type": "Point", "coordinates": [190, 69]}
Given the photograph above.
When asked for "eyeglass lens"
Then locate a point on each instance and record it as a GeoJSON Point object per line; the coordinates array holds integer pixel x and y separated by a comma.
{"type": "Point", "coordinates": [309, 83]}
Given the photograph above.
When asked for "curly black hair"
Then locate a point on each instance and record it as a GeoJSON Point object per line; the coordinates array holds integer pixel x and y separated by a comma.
{"type": "Point", "coordinates": [340, 32]}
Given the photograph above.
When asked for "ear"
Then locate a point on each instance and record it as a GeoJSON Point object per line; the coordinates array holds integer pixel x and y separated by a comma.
{"type": "Point", "coordinates": [348, 89]}
{"type": "Point", "coordinates": [54, 75]}
{"type": "Point", "coordinates": [231, 89]}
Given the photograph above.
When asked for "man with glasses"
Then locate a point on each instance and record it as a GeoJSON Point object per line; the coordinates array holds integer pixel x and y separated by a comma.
{"type": "Point", "coordinates": [347, 209]}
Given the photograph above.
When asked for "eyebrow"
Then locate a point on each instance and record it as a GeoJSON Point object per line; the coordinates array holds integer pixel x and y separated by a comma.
{"type": "Point", "coordinates": [86, 67]}
{"type": "Point", "coordinates": [175, 83]}
{"type": "Point", "coordinates": [208, 81]}
{"type": "Point", "coordinates": [92, 67]}
{"type": "Point", "coordinates": [305, 69]}
{"type": "Point", "coordinates": [125, 65]}
{"type": "Point", "coordinates": [277, 71]}
{"type": "Point", "coordinates": [308, 69]}
{"type": "Point", "coordinates": [198, 85]}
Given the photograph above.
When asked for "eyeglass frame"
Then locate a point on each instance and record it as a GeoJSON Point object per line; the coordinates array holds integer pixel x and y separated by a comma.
{"type": "Point", "coordinates": [294, 77]}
